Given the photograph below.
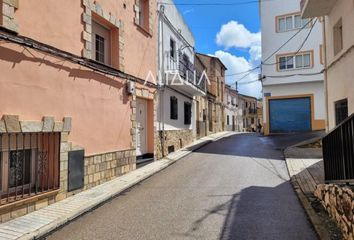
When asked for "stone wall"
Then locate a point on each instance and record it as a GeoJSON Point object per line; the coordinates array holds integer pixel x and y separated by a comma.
{"type": "Point", "coordinates": [105, 167]}
{"type": "Point", "coordinates": [173, 139]}
{"type": "Point", "coordinates": [339, 203]}
{"type": "Point", "coordinates": [202, 129]}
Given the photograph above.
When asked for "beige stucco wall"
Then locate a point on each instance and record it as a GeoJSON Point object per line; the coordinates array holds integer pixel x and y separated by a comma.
{"type": "Point", "coordinates": [340, 86]}
{"type": "Point", "coordinates": [340, 72]}
{"type": "Point", "coordinates": [33, 86]}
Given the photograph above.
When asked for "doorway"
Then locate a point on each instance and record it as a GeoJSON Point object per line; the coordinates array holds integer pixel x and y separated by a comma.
{"type": "Point", "coordinates": [141, 127]}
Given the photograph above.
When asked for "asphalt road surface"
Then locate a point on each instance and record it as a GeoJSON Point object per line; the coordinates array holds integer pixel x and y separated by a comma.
{"type": "Point", "coordinates": [236, 188]}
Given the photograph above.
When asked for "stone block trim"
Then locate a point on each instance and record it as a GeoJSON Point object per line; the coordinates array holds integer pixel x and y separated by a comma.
{"type": "Point", "coordinates": [107, 166]}
{"type": "Point", "coordinates": [90, 7]}
{"type": "Point", "coordinates": [339, 203]}
{"type": "Point", "coordinates": [151, 15]}
{"type": "Point", "coordinates": [8, 15]}
{"type": "Point", "coordinates": [12, 124]}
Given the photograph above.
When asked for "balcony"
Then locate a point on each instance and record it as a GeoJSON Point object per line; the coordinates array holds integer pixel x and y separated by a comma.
{"type": "Point", "coordinates": [184, 77]}
{"type": "Point", "coordinates": [316, 8]}
{"type": "Point", "coordinates": [252, 111]}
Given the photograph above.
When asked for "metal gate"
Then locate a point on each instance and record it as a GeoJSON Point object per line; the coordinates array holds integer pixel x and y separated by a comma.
{"type": "Point", "coordinates": [76, 166]}
{"type": "Point", "coordinates": [290, 115]}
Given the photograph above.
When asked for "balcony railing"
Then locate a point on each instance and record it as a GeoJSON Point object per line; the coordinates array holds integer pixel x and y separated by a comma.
{"type": "Point", "coordinates": [186, 70]}
{"type": "Point", "coordinates": [338, 152]}
{"type": "Point", "coordinates": [252, 111]}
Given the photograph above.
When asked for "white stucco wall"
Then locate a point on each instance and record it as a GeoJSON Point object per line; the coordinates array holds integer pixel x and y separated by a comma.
{"type": "Point", "coordinates": [178, 31]}
{"type": "Point", "coordinates": [315, 88]}
{"type": "Point", "coordinates": [181, 34]}
{"type": "Point", "coordinates": [272, 40]}
{"type": "Point", "coordinates": [171, 124]}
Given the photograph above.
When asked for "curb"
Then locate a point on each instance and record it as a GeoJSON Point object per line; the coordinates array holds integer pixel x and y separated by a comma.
{"type": "Point", "coordinates": [314, 219]}
{"type": "Point", "coordinates": [46, 230]}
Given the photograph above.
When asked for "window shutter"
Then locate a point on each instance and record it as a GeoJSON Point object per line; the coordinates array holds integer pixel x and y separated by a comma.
{"type": "Point", "coordinates": [187, 113]}
{"type": "Point", "coordinates": [173, 108]}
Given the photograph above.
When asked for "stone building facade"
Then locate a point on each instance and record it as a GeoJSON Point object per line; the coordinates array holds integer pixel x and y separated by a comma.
{"type": "Point", "coordinates": [250, 114]}
{"type": "Point", "coordinates": [215, 92]}
{"type": "Point", "coordinates": [71, 99]}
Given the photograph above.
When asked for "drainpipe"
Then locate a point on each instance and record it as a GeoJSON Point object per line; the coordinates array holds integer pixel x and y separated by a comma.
{"type": "Point", "coordinates": [162, 80]}
{"type": "Point", "coordinates": [325, 70]}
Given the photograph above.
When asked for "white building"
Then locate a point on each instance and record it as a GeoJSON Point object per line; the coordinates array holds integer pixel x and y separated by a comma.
{"type": "Point", "coordinates": [293, 87]}
{"type": "Point", "coordinates": [231, 109]}
{"type": "Point", "coordinates": [176, 108]}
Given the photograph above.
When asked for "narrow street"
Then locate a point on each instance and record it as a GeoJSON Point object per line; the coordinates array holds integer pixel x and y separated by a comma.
{"type": "Point", "coordinates": [236, 188]}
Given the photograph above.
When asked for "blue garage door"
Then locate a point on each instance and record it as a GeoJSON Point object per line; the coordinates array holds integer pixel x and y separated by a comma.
{"type": "Point", "coordinates": [290, 115]}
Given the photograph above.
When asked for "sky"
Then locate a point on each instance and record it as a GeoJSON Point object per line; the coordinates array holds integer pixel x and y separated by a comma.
{"type": "Point", "coordinates": [231, 33]}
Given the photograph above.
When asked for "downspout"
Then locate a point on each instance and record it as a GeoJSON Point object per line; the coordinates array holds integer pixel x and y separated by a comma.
{"type": "Point", "coordinates": [325, 71]}
{"type": "Point", "coordinates": [162, 82]}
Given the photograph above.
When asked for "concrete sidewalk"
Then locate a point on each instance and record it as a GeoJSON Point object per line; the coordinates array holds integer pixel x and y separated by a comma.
{"type": "Point", "coordinates": [305, 174]}
{"type": "Point", "coordinates": [37, 224]}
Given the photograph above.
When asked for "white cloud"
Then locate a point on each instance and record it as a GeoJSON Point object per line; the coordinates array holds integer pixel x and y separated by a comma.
{"type": "Point", "coordinates": [234, 34]}
{"type": "Point", "coordinates": [237, 64]}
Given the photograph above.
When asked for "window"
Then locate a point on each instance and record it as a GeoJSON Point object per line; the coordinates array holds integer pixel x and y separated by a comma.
{"type": "Point", "coordinates": [173, 108]}
{"type": "Point", "coordinates": [341, 110]}
{"type": "Point", "coordinates": [144, 14]}
{"type": "Point", "coordinates": [100, 46]}
{"type": "Point", "coordinates": [173, 49]}
{"type": "Point", "coordinates": [228, 120]}
{"type": "Point", "coordinates": [187, 113]}
{"type": "Point", "coordinates": [101, 43]}
{"type": "Point", "coordinates": [290, 62]}
{"type": "Point", "coordinates": [29, 165]}
{"type": "Point", "coordinates": [291, 22]}
{"type": "Point", "coordinates": [204, 115]}
{"type": "Point", "coordinates": [322, 54]}
{"type": "Point", "coordinates": [338, 37]}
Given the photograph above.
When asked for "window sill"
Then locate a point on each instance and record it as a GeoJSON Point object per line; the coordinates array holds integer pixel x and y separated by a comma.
{"type": "Point", "coordinates": [294, 69]}
{"type": "Point", "coordinates": [28, 200]}
{"type": "Point", "coordinates": [143, 30]}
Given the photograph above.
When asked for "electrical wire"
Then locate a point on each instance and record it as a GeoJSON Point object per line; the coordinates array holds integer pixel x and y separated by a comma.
{"type": "Point", "coordinates": [297, 74]}
{"type": "Point", "coordinates": [216, 4]}
{"type": "Point", "coordinates": [299, 49]}
{"type": "Point", "coordinates": [277, 50]}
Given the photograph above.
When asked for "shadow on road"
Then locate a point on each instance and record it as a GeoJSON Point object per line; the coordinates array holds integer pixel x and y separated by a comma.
{"type": "Point", "coordinates": [257, 146]}
{"type": "Point", "coordinates": [260, 213]}
{"type": "Point", "coordinates": [278, 216]}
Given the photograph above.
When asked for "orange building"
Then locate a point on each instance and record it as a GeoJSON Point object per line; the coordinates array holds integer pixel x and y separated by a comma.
{"type": "Point", "coordinates": [75, 108]}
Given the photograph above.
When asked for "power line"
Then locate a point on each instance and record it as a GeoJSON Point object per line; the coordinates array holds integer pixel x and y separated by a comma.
{"type": "Point", "coordinates": [286, 42]}
{"type": "Point", "coordinates": [239, 73]}
{"type": "Point", "coordinates": [298, 74]}
{"type": "Point", "coordinates": [216, 4]}
{"type": "Point", "coordinates": [299, 49]}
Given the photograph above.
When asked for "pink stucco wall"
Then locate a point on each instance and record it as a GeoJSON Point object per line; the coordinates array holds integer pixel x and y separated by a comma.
{"type": "Point", "coordinates": [33, 87]}
{"type": "Point", "coordinates": [41, 85]}
{"type": "Point", "coordinates": [59, 23]}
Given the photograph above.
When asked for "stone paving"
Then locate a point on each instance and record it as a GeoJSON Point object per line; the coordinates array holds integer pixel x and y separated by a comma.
{"type": "Point", "coordinates": [39, 223]}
